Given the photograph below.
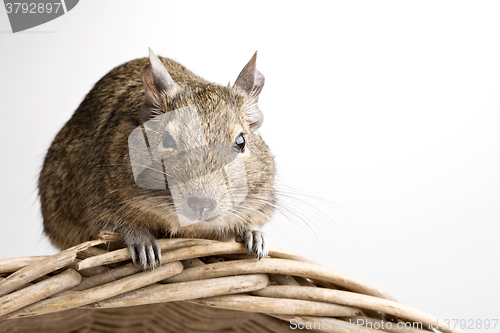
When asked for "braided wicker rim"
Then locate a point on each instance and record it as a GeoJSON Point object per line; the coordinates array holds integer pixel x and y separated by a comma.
{"type": "Point", "coordinates": [217, 274]}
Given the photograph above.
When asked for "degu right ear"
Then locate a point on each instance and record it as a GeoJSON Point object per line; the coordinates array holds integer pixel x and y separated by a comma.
{"type": "Point", "coordinates": [156, 81]}
{"type": "Point", "coordinates": [251, 81]}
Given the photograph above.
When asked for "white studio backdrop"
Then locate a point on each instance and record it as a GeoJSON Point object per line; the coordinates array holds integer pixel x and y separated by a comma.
{"type": "Point", "coordinates": [384, 117]}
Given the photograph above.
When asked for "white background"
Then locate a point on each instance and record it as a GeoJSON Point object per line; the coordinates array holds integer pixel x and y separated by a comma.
{"type": "Point", "coordinates": [387, 113]}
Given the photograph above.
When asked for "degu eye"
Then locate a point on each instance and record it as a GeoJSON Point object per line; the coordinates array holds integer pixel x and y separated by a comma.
{"type": "Point", "coordinates": [239, 143]}
{"type": "Point", "coordinates": [168, 141]}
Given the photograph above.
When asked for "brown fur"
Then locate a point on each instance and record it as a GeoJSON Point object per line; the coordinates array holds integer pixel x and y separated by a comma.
{"type": "Point", "coordinates": [87, 185]}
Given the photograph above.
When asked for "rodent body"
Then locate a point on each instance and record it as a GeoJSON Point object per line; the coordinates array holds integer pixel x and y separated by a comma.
{"type": "Point", "coordinates": [87, 182]}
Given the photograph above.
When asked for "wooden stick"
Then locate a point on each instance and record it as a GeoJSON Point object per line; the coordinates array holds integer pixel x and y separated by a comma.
{"type": "Point", "coordinates": [278, 266]}
{"type": "Point", "coordinates": [304, 281]}
{"type": "Point", "coordinates": [89, 271]}
{"type": "Point", "coordinates": [42, 267]}
{"type": "Point", "coordinates": [206, 248]}
{"type": "Point", "coordinates": [186, 290]}
{"type": "Point", "coordinates": [188, 263]}
{"type": "Point", "coordinates": [19, 299]}
{"type": "Point", "coordinates": [396, 309]}
{"type": "Point", "coordinates": [14, 264]}
{"type": "Point", "coordinates": [108, 276]}
{"type": "Point", "coordinates": [123, 254]}
{"type": "Point", "coordinates": [96, 294]}
{"type": "Point", "coordinates": [91, 252]}
{"type": "Point", "coordinates": [217, 248]}
{"type": "Point", "coordinates": [276, 252]}
{"type": "Point", "coordinates": [110, 236]}
{"type": "Point", "coordinates": [277, 306]}
{"type": "Point", "coordinates": [286, 280]}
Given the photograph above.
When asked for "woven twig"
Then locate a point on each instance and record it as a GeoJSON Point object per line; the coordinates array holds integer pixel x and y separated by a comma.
{"type": "Point", "coordinates": [215, 274]}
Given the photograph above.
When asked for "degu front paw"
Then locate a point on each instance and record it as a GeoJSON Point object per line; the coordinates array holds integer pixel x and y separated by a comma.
{"type": "Point", "coordinates": [143, 248]}
{"type": "Point", "coordinates": [255, 243]}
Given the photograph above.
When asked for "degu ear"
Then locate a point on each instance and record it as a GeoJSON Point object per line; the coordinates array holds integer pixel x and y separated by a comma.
{"type": "Point", "coordinates": [252, 82]}
{"type": "Point", "coordinates": [156, 80]}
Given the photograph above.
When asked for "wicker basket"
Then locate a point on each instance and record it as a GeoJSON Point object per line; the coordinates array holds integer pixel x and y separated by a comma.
{"type": "Point", "coordinates": [202, 286]}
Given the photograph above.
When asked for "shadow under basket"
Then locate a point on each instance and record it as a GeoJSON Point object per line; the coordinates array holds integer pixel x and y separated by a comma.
{"type": "Point", "coordinates": [201, 286]}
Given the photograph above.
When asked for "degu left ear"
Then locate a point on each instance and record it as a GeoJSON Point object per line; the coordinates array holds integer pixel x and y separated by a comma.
{"type": "Point", "coordinates": [156, 81]}
{"type": "Point", "coordinates": [251, 81]}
